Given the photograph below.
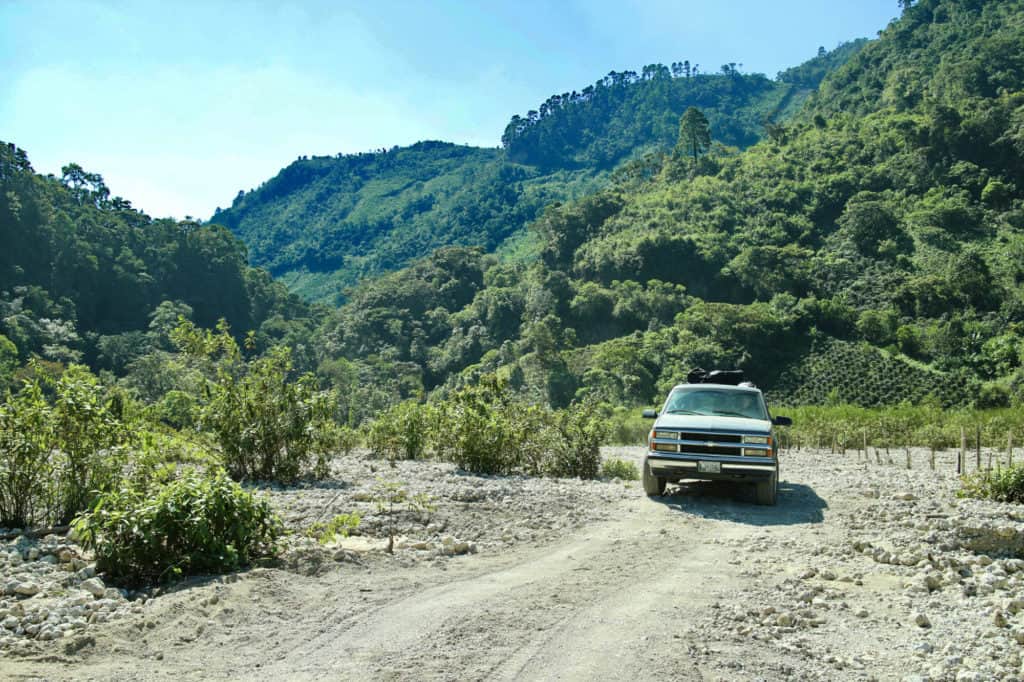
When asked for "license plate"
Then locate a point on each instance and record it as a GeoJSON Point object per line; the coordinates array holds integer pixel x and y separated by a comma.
{"type": "Point", "coordinates": [709, 467]}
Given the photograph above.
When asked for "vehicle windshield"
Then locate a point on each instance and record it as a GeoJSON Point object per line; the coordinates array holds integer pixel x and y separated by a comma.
{"type": "Point", "coordinates": [716, 402]}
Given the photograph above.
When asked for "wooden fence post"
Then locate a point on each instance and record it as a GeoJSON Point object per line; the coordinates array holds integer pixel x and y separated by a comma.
{"type": "Point", "coordinates": [931, 459]}
{"type": "Point", "coordinates": [977, 450]}
{"type": "Point", "coordinates": [961, 461]}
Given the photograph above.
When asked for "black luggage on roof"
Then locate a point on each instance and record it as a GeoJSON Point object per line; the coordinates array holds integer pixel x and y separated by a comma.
{"type": "Point", "coordinates": [729, 377]}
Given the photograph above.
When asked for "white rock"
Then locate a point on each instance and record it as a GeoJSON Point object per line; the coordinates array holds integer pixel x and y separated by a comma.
{"type": "Point", "coordinates": [922, 621]}
{"type": "Point", "coordinates": [94, 586]}
{"type": "Point", "coordinates": [27, 589]}
{"type": "Point", "coordinates": [969, 676]}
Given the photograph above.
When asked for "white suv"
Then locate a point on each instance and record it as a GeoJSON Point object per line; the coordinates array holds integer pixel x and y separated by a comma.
{"type": "Point", "coordinates": [714, 432]}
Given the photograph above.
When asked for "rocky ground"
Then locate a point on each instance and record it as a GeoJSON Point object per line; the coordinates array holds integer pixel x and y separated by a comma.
{"type": "Point", "coordinates": [864, 570]}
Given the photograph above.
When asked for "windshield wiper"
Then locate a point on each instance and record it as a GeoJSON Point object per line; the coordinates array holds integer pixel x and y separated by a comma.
{"type": "Point", "coordinates": [682, 412]}
{"type": "Point", "coordinates": [726, 413]}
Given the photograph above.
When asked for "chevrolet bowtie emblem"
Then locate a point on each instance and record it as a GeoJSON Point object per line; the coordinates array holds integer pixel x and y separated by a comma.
{"type": "Point", "coordinates": [711, 444]}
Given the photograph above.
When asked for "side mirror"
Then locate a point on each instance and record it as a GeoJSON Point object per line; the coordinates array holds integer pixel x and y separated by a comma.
{"type": "Point", "coordinates": [650, 414]}
{"type": "Point", "coordinates": [782, 421]}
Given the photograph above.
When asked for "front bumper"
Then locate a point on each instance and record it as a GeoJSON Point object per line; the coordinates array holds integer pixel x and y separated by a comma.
{"type": "Point", "coordinates": [675, 467]}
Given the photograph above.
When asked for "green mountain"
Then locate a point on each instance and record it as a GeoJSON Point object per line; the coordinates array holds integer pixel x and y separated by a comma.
{"type": "Point", "coordinates": [324, 223]}
{"type": "Point", "coordinates": [84, 276]}
{"type": "Point", "coordinates": [870, 249]}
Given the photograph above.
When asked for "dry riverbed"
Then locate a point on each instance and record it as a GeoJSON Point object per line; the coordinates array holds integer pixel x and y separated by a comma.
{"type": "Point", "coordinates": [864, 570]}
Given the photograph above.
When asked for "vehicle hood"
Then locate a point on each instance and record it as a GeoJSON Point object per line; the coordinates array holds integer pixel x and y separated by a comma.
{"type": "Point", "coordinates": [712, 423]}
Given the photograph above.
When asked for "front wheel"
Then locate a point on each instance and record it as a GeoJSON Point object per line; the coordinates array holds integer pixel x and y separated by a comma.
{"type": "Point", "coordinates": [767, 491]}
{"type": "Point", "coordinates": [653, 485]}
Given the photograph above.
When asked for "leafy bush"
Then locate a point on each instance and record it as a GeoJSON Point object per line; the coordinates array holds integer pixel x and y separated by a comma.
{"type": "Point", "coordinates": [1001, 485]}
{"type": "Point", "coordinates": [55, 457]}
{"type": "Point", "coordinates": [269, 426]}
{"type": "Point", "coordinates": [347, 439]}
{"type": "Point", "coordinates": [177, 409]}
{"type": "Point", "coordinates": [25, 458]}
{"type": "Point", "coordinates": [401, 432]}
{"type": "Point", "coordinates": [486, 428]}
{"type": "Point", "coordinates": [476, 429]}
{"type": "Point", "coordinates": [627, 427]}
{"type": "Point", "coordinates": [578, 455]}
{"type": "Point", "coordinates": [341, 525]}
{"type": "Point", "coordinates": [90, 439]}
{"type": "Point", "coordinates": [199, 523]}
{"type": "Point", "coordinates": [618, 468]}
{"type": "Point", "coordinates": [160, 456]}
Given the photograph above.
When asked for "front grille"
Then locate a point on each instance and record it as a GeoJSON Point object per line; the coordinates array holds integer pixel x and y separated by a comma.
{"type": "Point", "coordinates": [710, 450]}
{"type": "Point", "coordinates": [716, 437]}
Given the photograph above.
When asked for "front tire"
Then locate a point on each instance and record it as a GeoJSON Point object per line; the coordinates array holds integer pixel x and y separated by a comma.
{"type": "Point", "coordinates": [653, 485]}
{"type": "Point", "coordinates": [767, 491]}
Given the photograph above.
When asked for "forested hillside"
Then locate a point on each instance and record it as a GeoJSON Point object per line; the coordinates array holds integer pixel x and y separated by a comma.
{"type": "Point", "coordinates": [323, 223]}
{"type": "Point", "coordinates": [607, 122]}
{"type": "Point", "coordinates": [871, 249]}
{"type": "Point", "coordinates": [84, 276]}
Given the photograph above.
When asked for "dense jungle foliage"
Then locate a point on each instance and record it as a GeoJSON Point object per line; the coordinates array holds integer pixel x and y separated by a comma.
{"type": "Point", "coordinates": [325, 222]}
{"type": "Point", "coordinates": [607, 122]}
{"type": "Point", "coordinates": [86, 277]}
{"type": "Point", "coordinates": [869, 250]}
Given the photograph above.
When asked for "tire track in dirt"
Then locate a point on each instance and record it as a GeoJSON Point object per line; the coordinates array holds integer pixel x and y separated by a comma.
{"type": "Point", "coordinates": [586, 608]}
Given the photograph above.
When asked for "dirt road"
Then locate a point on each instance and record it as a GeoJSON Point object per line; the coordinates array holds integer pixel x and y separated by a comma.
{"type": "Point", "coordinates": [699, 584]}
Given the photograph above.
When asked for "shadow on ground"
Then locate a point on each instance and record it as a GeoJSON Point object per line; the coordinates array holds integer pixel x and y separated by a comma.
{"type": "Point", "coordinates": [796, 503]}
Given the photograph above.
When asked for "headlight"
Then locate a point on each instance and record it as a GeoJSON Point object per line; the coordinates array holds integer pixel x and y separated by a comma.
{"type": "Point", "coordinates": [665, 447]}
{"type": "Point", "coordinates": [758, 440]}
{"type": "Point", "coordinates": [756, 452]}
{"type": "Point", "coordinates": [666, 434]}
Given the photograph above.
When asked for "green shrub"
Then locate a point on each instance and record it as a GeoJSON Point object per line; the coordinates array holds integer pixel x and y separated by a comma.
{"type": "Point", "coordinates": [55, 458]}
{"type": "Point", "coordinates": [269, 425]}
{"type": "Point", "coordinates": [160, 455]}
{"type": "Point", "coordinates": [199, 523]}
{"type": "Point", "coordinates": [8, 360]}
{"type": "Point", "coordinates": [627, 427]}
{"type": "Point", "coordinates": [177, 409]}
{"type": "Point", "coordinates": [578, 455]}
{"type": "Point", "coordinates": [487, 428]}
{"type": "Point", "coordinates": [347, 439]}
{"type": "Point", "coordinates": [90, 438]}
{"type": "Point", "coordinates": [477, 431]}
{"type": "Point", "coordinates": [26, 468]}
{"type": "Point", "coordinates": [401, 432]}
{"type": "Point", "coordinates": [341, 525]}
{"type": "Point", "coordinates": [618, 468]}
{"type": "Point", "coordinates": [1002, 485]}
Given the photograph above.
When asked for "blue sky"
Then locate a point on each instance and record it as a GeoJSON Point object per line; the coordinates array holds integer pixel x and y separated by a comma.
{"type": "Point", "coordinates": [181, 104]}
